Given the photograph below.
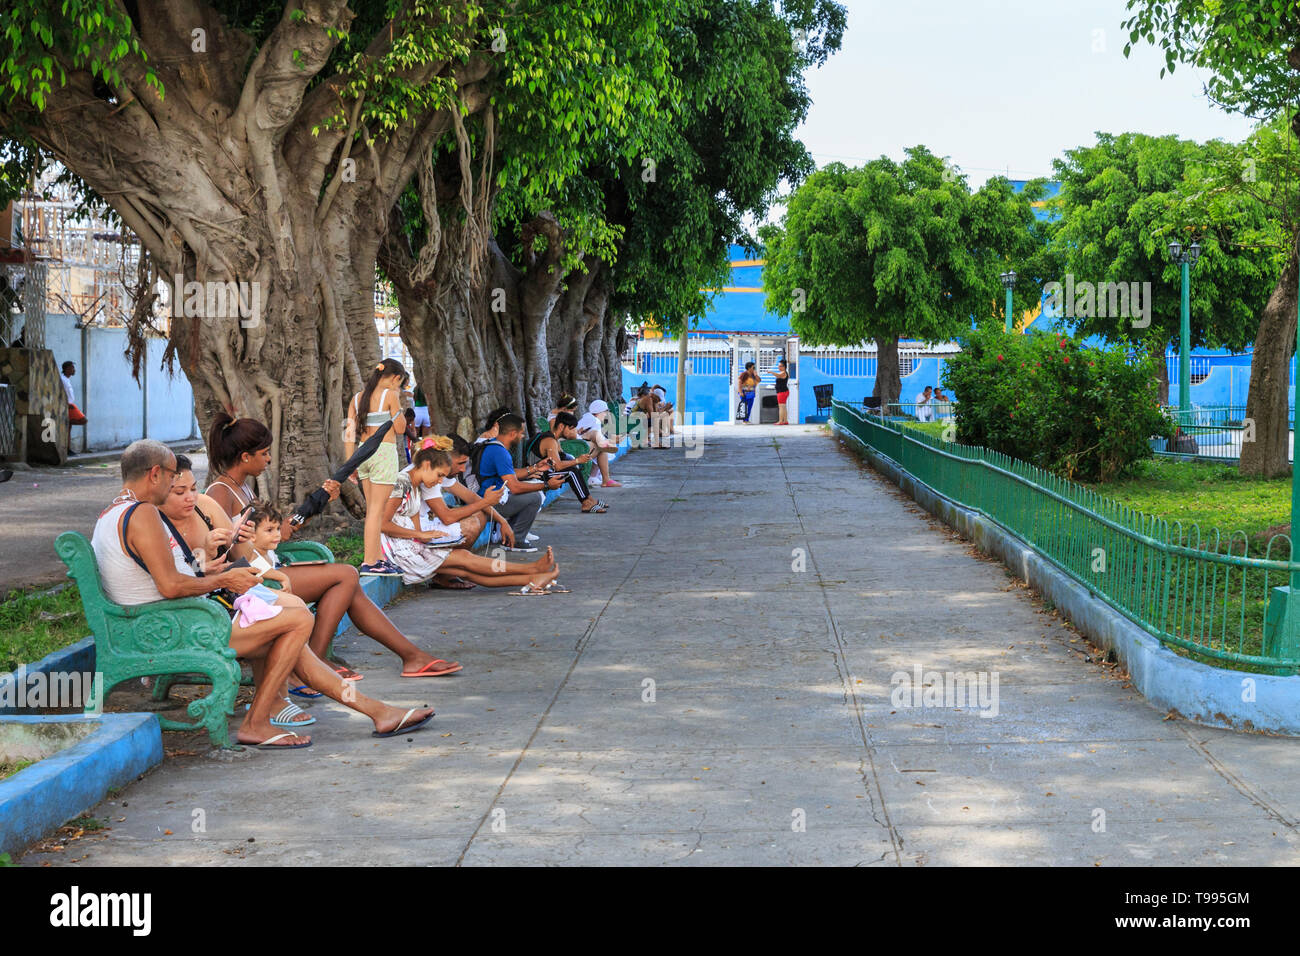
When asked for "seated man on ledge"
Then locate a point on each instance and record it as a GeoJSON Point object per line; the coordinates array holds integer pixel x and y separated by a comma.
{"type": "Point", "coordinates": [141, 560]}
{"type": "Point", "coordinates": [590, 430]}
{"type": "Point", "coordinates": [545, 449]}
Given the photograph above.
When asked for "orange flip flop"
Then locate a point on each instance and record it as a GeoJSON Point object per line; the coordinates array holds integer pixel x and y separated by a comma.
{"type": "Point", "coordinates": [440, 668]}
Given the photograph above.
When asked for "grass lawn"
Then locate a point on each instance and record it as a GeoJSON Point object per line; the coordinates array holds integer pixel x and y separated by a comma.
{"type": "Point", "coordinates": [931, 428]}
{"type": "Point", "coordinates": [9, 768]}
{"type": "Point", "coordinates": [1212, 495]}
{"type": "Point", "coordinates": [34, 624]}
{"type": "Point", "coordinates": [347, 548]}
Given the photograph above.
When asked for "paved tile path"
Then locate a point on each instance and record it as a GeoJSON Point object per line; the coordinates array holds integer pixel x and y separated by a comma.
{"type": "Point", "coordinates": [770, 736]}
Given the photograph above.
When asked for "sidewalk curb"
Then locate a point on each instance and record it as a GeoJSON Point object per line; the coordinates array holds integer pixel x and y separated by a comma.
{"type": "Point", "coordinates": [1199, 692]}
{"type": "Point", "coordinates": [65, 784]}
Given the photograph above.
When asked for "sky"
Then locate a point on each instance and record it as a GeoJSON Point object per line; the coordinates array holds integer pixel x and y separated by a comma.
{"type": "Point", "coordinates": [996, 85]}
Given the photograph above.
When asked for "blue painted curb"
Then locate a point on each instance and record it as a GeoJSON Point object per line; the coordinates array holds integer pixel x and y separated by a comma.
{"type": "Point", "coordinates": [73, 659]}
{"type": "Point", "coordinates": [1214, 696]}
{"type": "Point", "coordinates": [64, 785]}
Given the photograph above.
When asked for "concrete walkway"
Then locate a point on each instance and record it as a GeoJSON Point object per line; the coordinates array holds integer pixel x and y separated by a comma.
{"type": "Point", "coordinates": [770, 736]}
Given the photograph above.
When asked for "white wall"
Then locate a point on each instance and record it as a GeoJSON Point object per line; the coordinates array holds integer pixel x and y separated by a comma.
{"type": "Point", "coordinates": [113, 401]}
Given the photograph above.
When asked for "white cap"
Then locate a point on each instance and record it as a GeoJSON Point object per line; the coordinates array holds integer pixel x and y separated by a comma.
{"type": "Point", "coordinates": [597, 407]}
{"type": "Point", "coordinates": [659, 388]}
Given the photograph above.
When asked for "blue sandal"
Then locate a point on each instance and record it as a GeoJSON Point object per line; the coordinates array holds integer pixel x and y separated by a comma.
{"type": "Point", "coordinates": [285, 717]}
{"type": "Point", "coordinates": [305, 692]}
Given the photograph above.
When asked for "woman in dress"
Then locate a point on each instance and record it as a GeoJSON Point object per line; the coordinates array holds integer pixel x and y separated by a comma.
{"type": "Point", "coordinates": [415, 549]}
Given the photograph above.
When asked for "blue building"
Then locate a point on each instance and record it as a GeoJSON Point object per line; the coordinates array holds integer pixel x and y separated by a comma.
{"type": "Point", "coordinates": [739, 329]}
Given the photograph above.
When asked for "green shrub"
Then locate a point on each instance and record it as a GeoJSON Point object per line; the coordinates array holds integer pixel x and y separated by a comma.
{"type": "Point", "coordinates": [1084, 413]}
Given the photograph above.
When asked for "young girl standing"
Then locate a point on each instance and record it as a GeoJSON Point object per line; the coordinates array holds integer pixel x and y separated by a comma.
{"type": "Point", "coordinates": [377, 403]}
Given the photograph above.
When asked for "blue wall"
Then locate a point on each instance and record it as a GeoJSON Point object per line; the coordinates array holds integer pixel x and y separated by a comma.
{"type": "Point", "coordinates": [708, 396]}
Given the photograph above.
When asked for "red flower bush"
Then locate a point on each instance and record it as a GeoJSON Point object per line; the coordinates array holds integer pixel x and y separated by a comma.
{"type": "Point", "coordinates": [1090, 419]}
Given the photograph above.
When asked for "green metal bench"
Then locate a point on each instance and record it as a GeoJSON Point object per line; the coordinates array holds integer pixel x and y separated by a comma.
{"type": "Point", "coordinates": [186, 640]}
{"type": "Point", "coordinates": [181, 636]}
{"type": "Point", "coordinates": [291, 551]}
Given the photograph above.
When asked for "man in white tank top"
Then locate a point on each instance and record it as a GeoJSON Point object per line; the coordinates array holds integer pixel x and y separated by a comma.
{"type": "Point", "coordinates": [140, 566]}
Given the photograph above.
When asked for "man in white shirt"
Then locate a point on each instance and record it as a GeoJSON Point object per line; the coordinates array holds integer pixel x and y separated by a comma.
{"type": "Point", "coordinates": [75, 415]}
{"type": "Point", "coordinates": [924, 412]}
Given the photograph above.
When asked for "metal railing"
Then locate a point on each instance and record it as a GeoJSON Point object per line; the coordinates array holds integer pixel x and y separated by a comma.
{"type": "Point", "coordinates": [1201, 592]}
{"type": "Point", "coordinates": [1199, 365]}
{"type": "Point", "coordinates": [1213, 432]}
{"type": "Point", "coordinates": [698, 362]}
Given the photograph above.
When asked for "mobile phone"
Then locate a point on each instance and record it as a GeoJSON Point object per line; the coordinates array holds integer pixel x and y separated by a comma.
{"type": "Point", "coordinates": [234, 534]}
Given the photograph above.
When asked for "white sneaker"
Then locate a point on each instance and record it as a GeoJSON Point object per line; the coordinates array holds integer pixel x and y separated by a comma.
{"type": "Point", "coordinates": [530, 538]}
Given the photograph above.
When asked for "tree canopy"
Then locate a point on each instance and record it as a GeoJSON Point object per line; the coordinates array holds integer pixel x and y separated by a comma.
{"type": "Point", "coordinates": [1121, 201]}
{"type": "Point", "coordinates": [893, 250]}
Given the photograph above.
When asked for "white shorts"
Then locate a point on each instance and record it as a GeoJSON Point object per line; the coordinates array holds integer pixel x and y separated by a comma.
{"type": "Point", "coordinates": [422, 417]}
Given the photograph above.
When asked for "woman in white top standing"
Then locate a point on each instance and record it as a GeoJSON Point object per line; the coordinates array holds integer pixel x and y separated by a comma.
{"type": "Point", "coordinates": [379, 402]}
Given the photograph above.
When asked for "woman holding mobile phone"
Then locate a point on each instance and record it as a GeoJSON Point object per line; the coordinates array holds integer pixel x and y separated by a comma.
{"type": "Point", "coordinates": [417, 552]}
{"type": "Point", "coordinates": [240, 450]}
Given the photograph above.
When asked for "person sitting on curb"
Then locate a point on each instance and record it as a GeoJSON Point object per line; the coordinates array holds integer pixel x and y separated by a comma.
{"type": "Point", "coordinates": [668, 424]}
{"type": "Point", "coordinates": [469, 517]}
{"type": "Point", "coordinates": [490, 425]}
{"type": "Point", "coordinates": [590, 431]}
{"type": "Point", "coordinates": [141, 560]}
{"type": "Point", "coordinates": [416, 550]}
{"type": "Point", "coordinates": [464, 522]}
{"type": "Point", "coordinates": [545, 447]}
{"type": "Point", "coordinates": [495, 469]}
{"type": "Point", "coordinates": [655, 419]}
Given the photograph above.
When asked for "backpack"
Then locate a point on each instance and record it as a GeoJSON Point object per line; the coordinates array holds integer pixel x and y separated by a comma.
{"type": "Point", "coordinates": [476, 456]}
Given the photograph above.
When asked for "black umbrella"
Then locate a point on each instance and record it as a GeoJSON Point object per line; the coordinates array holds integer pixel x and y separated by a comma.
{"type": "Point", "coordinates": [315, 502]}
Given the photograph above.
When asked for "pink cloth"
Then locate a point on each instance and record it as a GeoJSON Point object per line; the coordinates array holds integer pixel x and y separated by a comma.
{"type": "Point", "coordinates": [252, 609]}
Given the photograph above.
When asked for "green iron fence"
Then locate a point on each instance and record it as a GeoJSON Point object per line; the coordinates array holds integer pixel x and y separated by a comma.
{"type": "Point", "coordinates": [1200, 592]}
{"type": "Point", "coordinates": [1213, 432]}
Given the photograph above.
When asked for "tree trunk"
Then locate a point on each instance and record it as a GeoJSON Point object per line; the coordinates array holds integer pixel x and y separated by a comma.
{"type": "Point", "coordinates": [1162, 376]}
{"type": "Point", "coordinates": [1266, 403]}
{"type": "Point", "coordinates": [888, 382]}
{"type": "Point", "coordinates": [484, 332]}
{"type": "Point", "coordinates": [237, 175]}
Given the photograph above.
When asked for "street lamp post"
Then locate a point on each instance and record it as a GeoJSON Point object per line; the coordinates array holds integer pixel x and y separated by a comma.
{"type": "Point", "coordinates": [1008, 280]}
{"type": "Point", "coordinates": [1186, 258]}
